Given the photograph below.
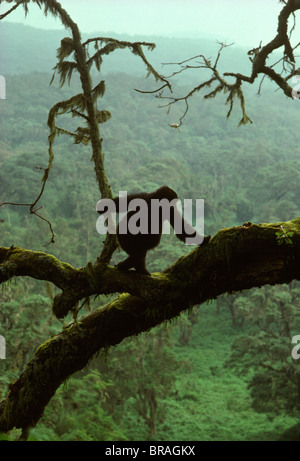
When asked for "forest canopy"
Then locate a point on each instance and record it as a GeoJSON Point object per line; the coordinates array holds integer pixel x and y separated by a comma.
{"type": "Point", "coordinates": [100, 142]}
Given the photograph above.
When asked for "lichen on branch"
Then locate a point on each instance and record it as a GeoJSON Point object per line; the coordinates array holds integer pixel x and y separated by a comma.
{"type": "Point", "coordinates": [258, 57]}
{"type": "Point", "coordinates": [234, 259]}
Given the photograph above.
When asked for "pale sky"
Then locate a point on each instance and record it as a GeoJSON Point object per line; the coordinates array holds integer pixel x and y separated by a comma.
{"type": "Point", "coordinates": [245, 22]}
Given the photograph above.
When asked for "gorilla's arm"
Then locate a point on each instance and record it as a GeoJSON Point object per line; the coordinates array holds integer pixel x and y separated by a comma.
{"type": "Point", "coordinates": [183, 230]}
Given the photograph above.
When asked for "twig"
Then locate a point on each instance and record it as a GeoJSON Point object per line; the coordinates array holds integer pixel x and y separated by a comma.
{"type": "Point", "coordinates": [258, 58]}
{"type": "Point", "coordinates": [153, 91]}
{"type": "Point", "coordinates": [2, 16]}
{"type": "Point", "coordinates": [32, 209]}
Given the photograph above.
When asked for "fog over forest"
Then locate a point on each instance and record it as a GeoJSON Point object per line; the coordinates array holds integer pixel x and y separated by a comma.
{"type": "Point", "coordinates": [221, 369]}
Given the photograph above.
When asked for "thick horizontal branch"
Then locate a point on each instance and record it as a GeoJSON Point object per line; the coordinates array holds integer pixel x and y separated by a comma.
{"type": "Point", "coordinates": [219, 257]}
{"type": "Point", "coordinates": [15, 261]}
{"type": "Point", "coordinates": [77, 284]}
{"type": "Point", "coordinates": [234, 259]}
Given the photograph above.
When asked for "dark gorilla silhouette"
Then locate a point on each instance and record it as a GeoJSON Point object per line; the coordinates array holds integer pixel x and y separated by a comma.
{"type": "Point", "coordinates": [149, 232]}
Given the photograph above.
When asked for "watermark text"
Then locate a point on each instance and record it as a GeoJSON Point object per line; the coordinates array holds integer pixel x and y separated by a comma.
{"type": "Point", "coordinates": [296, 349]}
{"type": "Point", "coordinates": [2, 348]}
{"type": "Point", "coordinates": [2, 87]}
{"type": "Point", "coordinates": [152, 217]}
{"type": "Point", "coordinates": [296, 88]}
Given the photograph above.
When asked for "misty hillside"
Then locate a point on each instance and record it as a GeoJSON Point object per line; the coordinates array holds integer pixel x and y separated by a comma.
{"type": "Point", "coordinates": [28, 49]}
{"type": "Point", "coordinates": [209, 370]}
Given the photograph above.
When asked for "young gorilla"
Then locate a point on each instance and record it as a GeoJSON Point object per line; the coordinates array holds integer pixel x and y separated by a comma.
{"type": "Point", "coordinates": [136, 245]}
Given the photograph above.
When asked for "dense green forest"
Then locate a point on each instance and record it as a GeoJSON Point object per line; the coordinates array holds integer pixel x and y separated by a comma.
{"type": "Point", "coordinates": [222, 371]}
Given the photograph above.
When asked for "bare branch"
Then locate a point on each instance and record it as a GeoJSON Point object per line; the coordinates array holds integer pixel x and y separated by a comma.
{"type": "Point", "coordinates": [258, 57]}
{"type": "Point", "coordinates": [2, 16]}
{"type": "Point", "coordinates": [153, 91]}
{"type": "Point", "coordinates": [31, 206]}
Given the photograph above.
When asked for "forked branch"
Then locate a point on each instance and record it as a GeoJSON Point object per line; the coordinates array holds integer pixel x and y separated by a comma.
{"type": "Point", "coordinates": [234, 259]}
{"type": "Point", "coordinates": [258, 57]}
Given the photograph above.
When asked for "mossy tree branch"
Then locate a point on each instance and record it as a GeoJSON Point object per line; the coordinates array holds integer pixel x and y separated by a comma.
{"type": "Point", "coordinates": [234, 259]}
